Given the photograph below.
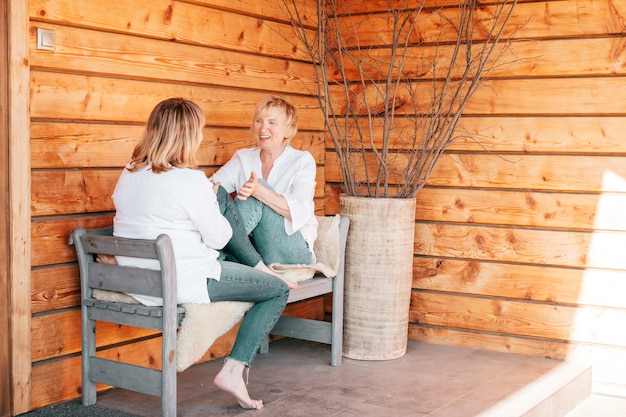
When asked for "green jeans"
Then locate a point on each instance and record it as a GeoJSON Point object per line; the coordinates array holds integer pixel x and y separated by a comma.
{"type": "Point", "coordinates": [269, 237]}
{"type": "Point", "coordinates": [243, 283]}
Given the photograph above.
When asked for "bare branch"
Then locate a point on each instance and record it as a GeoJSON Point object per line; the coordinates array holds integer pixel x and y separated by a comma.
{"type": "Point", "coordinates": [393, 85]}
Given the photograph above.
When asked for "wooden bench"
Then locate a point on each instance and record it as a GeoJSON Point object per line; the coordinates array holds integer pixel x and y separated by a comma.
{"type": "Point", "coordinates": [162, 283]}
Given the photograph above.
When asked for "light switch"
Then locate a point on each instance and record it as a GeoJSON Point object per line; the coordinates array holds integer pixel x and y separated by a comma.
{"type": "Point", "coordinates": [45, 39]}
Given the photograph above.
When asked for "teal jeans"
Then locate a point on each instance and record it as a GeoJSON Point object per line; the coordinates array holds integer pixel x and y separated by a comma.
{"type": "Point", "coordinates": [243, 283]}
{"type": "Point", "coordinates": [269, 237]}
{"type": "Point", "coordinates": [239, 248]}
{"type": "Point", "coordinates": [239, 281]}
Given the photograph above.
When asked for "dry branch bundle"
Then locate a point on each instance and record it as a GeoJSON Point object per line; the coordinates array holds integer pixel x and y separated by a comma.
{"type": "Point", "coordinates": [393, 83]}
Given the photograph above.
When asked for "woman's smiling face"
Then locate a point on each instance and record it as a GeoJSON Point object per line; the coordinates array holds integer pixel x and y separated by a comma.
{"type": "Point", "coordinates": [269, 130]}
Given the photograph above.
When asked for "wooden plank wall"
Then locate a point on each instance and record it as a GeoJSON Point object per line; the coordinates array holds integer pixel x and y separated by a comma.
{"type": "Point", "coordinates": [520, 235]}
{"type": "Point", "coordinates": [89, 99]}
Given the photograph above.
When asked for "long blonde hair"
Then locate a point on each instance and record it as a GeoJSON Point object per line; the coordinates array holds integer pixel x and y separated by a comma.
{"type": "Point", "coordinates": [171, 136]}
{"type": "Point", "coordinates": [289, 110]}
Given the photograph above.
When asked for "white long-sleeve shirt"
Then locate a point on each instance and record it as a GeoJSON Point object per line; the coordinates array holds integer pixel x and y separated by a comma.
{"type": "Point", "coordinates": [292, 176]}
{"type": "Point", "coordinates": [182, 204]}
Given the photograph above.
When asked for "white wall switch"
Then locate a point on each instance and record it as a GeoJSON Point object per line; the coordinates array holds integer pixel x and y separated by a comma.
{"type": "Point", "coordinates": [45, 39]}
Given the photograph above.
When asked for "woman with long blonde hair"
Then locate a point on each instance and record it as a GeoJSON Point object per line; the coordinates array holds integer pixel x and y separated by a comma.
{"type": "Point", "coordinates": [161, 191]}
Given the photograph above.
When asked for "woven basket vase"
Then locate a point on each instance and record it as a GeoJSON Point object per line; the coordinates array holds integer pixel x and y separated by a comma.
{"type": "Point", "coordinates": [378, 275]}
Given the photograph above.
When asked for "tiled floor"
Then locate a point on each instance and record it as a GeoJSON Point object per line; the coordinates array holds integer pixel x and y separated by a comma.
{"type": "Point", "coordinates": [295, 379]}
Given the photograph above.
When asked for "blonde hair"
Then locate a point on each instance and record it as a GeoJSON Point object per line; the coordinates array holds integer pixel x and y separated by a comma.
{"type": "Point", "coordinates": [170, 138]}
{"type": "Point", "coordinates": [289, 110]}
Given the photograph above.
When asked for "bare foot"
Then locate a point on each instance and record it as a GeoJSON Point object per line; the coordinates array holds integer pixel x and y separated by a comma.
{"type": "Point", "coordinates": [230, 379]}
{"type": "Point", "coordinates": [106, 259]}
{"type": "Point", "coordinates": [261, 266]}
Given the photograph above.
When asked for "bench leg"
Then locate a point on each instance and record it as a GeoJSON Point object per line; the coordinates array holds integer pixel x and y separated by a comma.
{"type": "Point", "coordinates": [89, 350]}
{"type": "Point", "coordinates": [336, 327]}
{"type": "Point", "coordinates": [265, 346]}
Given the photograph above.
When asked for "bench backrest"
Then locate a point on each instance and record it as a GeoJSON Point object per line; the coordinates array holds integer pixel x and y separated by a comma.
{"type": "Point", "coordinates": [125, 279]}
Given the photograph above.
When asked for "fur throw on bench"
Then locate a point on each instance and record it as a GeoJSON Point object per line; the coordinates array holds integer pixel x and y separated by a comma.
{"type": "Point", "coordinates": [326, 248]}
{"type": "Point", "coordinates": [205, 323]}
{"type": "Point", "coordinates": [197, 332]}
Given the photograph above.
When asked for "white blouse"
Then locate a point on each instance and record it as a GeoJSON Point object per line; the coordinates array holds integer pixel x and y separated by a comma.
{"type": "Point", "coordinates": [292, 176]}
{"type": "Point", "coordinates": [180, 203]}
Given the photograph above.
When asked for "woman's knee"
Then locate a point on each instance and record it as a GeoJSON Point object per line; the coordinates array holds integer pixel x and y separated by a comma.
{"type": "Point", "coordinates": [223, 199]}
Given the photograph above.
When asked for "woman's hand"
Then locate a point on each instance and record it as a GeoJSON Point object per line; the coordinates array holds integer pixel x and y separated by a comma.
{"type": "Point", "coordinates": [249, 187]}
{"type": "Point", "coordinates": [265, 195]}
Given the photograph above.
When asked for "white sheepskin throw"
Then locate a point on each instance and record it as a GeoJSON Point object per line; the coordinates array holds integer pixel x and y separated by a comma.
{"type": "Point", "coordinates": [326, 249]}
{"type": "Point", "coordinates": [202, 325]}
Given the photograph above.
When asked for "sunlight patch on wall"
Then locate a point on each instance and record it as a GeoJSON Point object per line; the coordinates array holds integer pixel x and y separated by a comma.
{"type": "Point", "coordinates": [603, 283]}
{"type": "Point", "coordinates": [611, 207]}
{"type": "Point", "coordinates": [607, 245]}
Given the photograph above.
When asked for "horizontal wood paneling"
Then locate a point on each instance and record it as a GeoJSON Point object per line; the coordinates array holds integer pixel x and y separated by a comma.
{"type": "Point", "coordinates": [565, 57]}
{"type": "Point", "coordinates": [59, 381]}
{"type": "Point", "coordinates": [552, 349]}
{"type": "Point", "coordinates": [259, 8]}
{"type": "Point", "coordinates": [522, 209]}
{"type": "Point", "coordinates": [61, 192]}
{"type": "Point", "coordinates": [50, 238]}
{"type": "Point", "coordinates": [545, 321]}
{"type": "Point", "coordinates": [99, 99]}
{"type": "Point", "coordinates": [517, 172]}
{"type": "Point", "coordinates": [560, 285]}
{"type": "Point", "coordinates": [86, 191]}
{"type": "Point", "coordinates": [532, 172]}
{"type": "Point", "coordinates": [567, 248]}
{"type": "Point", "coordinates": [173, 21]}
{"type": "Point", "coordinates": [152, 59]}
{"type": "Point", "coordinates": [54, 288]}
{"type": "Point", "coordinates": [528, 134]}
{"type": "Point", "coordinates": [530, 20]}
{"type": "Point", "coordinates": [377, 6]}
{"type": "Point", "coordinates": [57, 335]}
{"type": "Point", "coordinates": [593, 96]}
{"type": "Point", "coordinates": [71, 145]}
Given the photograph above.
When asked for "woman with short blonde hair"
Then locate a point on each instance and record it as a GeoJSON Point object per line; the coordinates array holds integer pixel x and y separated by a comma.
{"type": "Point", "coordinates": [275, 186]}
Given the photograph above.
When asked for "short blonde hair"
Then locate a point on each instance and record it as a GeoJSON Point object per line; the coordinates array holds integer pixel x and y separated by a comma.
{"type": "Point", "coordinates": [170, 138]}
{"type": "Point", "coordinates": [289, 110]}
